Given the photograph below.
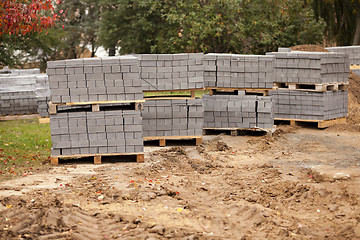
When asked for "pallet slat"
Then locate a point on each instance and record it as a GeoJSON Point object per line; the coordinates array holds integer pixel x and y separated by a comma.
{"type": "Point", "coordinates": [313, 87]}
{"type": "Point", "coordinates": [320, 123]}
{"type": "Point", "coordinates": [44, 120]}
{"type": "Point", "coordinates": [95, 106]}
{"type": "Point", "coordinates": [261, 91]}
{"type": "Point", "coordinates": [162, 95]}
{"type": "Point", "coordinates": [175, 90]}
{"type": "Point", "coordinates": [162, 139]}
{"type": "Point", "coordinates": [18, 117]}
{"type": "Point", "coordinates": [97, 157]}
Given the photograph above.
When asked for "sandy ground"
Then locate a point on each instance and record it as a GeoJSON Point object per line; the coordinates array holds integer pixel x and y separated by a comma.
{"type": "Point", "coordinates": [302, 183]}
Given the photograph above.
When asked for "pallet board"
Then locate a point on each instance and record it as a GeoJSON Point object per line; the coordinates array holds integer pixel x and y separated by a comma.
{"type": "Point", "coordinates": [18, 117]}
{"type": "Point", "coordinates": [168, 95]}
{"type": "Point", "coordinates": [95, 106]}
{"type": "Point", "coordinates": [177, 90]}
{"type": "Point", "coordinates": [162, 140]}
{"type": "Point", "coordinates": [313, 87]}
{"type": "Point", "coordinates": [320, 123]}
{"type": "Point", "coordinates": [236, 131]}
{"type": "Point", "coordinates": [44, 120]}
{"type": "Point", "coordinates": [259, 91]}
{"type": "Point", "coordinates": [97, 157]}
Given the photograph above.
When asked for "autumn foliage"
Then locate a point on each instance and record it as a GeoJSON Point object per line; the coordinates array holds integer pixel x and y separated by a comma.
{"type": "Point", "coordinates": [19, 17]}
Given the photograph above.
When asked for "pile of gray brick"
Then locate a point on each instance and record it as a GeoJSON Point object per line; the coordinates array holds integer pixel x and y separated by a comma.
{"type": "Point", "coordinates": [25, 71]}
{"type": "Point", "coordinates": [310, 105]}
{"type": "Point", "coordinates": [163, 72]}
{"type": "Point", "coordinates": [181, 117]}
{"type": "Point", "coordinates": [238, 111]}
{"type": "Point", "coordinates": [310, 67]}
{"type": "Point", "coordinates": [42, 94]}
{"type": "Point", "coordinates": [17, 102]}
{"type": "Point", "coordinates": [238, 71]}
{"type": "Point", "coordinates": [76, 129]}
{"type": "Point", "coordinates": [16, 72]}
{"type": "Point", "coordinates": [86, 132]}
{"type": "Point", "coordinates": [95, 79]}
{"type": "Point", "coordinates": [18, 93]}
{"type": "Point", "coordinates": [352, 51]}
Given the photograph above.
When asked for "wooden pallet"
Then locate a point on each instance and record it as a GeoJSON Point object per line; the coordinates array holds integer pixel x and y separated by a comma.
{"type": "Point", "coordinates": [95, 106]}
{"type": "Point", "coordinates": [248, 91]}
{"type": "Point", "coordinates": [238, 131]}
{"type": "Point", "coordinates": [18, 117]}
{"type": "Point", "coordinates": [159, 95]}
{"type": "Point", "coordinates": [313, 87]}
{"type": "Point", "coordinates": [44, 120]}
{"type": "Point", "coordinates": [162, 140]}
{"type": "Point", "coordinates": [97, 157]}
{"type": "Point", "coordinates": [355, 66]}
{"type": "Point", "coordinates": [320, 123]}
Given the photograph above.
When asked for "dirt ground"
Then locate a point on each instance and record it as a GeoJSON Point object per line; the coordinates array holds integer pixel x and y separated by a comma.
{"type": "Point", "coordinates": [302, 183]}
{"type": "Point", "coordinates": [309, 48]}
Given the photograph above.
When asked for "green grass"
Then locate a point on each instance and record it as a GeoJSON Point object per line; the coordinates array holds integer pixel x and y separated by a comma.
{"type": "Point", "coordinates": [24, 147]}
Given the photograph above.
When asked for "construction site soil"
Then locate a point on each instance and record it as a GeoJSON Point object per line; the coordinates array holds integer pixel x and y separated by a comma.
{"type": "Point", "coordinates": [300, 183]}
{"type": "Point", "coordinates": [309, 48]}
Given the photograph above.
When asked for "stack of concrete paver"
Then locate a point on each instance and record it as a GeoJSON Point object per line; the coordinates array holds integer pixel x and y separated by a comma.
{"type": "Point", "coordinates": [164, 72]}
{"type": "Point", "coordinates": [78, 129]}
{"type": "Point", "coordinates": [310, 105]}
{"type": "Point", "coordinates": [17, 102]}
{"type": "Point", "coordinates": [18, 93]}
{"type": "Point", "coordinates": [311, 67]}
{"type": "Point", "coordinates": [86, 132]}
{"type": "Point", "coordinates": [181, 117]}
{"type": "Point", "coordinates": [238, 71]}
{"type": "Point", "coordinates": [42, 94]}
{"type": "Point", "coordinates": [95, 79]}
{"type": "Point", "coordinates": [352, 51]}
{"type": "Point", "coordinates": [238, 111]}
{"type": "Point", "coordinates": [235, 71]}
{"type": "Point", "coordinates": [25, 71]}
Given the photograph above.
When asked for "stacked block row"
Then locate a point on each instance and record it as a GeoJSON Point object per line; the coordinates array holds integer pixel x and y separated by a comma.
{"type": "Point", "coordinates": [42, 94]}
{"type": "Point", "coordinates": [18, 94]}
{"type": "Point", "coordinates": [17, 72]}
{"type": "Point", "coordinates": [162, 72]}
{"type": "Point", "coordinates": [95, 79]}
{"type": "Point", "coordinates": [310, 105]}
{"type": "Point", "coordinates": [238, 111]}
{"type": "Point", "coordinates": [238, 71]}
{"type": "Point", "coordinates": [352, 51]}
{"type": "Point", "coordinates": [15, 102]}
{"type": "Point", "coordinates": [182, 117]}
{"type": "Point", "coordinates": [311, 67]}
{"type": "Point", "coordinates": [86, 132]}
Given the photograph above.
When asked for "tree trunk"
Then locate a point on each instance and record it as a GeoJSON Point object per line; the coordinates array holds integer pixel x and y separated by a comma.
{"type": "Point", "coordinates": [93, 50]}
{"type": "Point", "coordinates": [357, 31]}
{"type": "Point", "coordinates": [112, 51]}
